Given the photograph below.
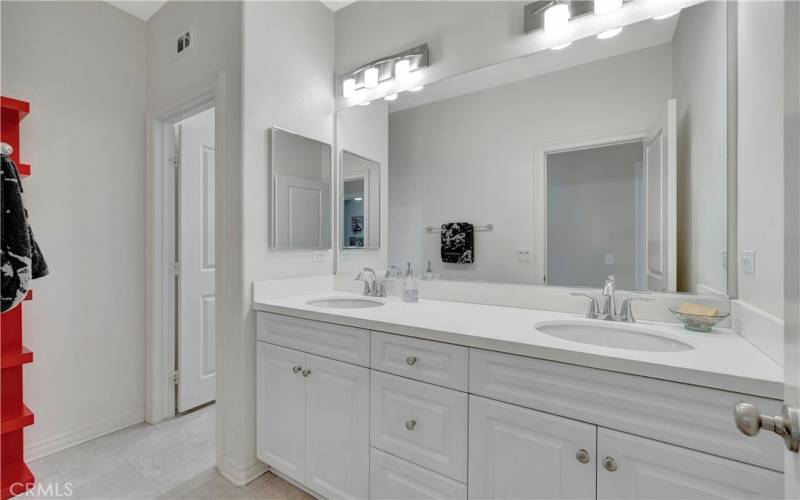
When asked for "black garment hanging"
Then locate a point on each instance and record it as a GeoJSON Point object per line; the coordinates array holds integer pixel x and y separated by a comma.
{"type": "Point", "coordinates": [21, 259]}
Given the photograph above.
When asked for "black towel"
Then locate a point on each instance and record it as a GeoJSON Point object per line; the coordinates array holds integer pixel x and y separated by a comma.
{"type": "Point", "coordinates": [458, 243]}
{"type": "Point", "coordinates": [20, 257]}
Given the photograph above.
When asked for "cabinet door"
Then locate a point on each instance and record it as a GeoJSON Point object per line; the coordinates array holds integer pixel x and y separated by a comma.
{"type": "Point", "coordinates": [337, 432]}
{"type": "Point", "coordinates": [520, 453]}
{"type": "Point", "coordinates": [645, 469]}
{"type": "Point", "coordinates": [281, 409]}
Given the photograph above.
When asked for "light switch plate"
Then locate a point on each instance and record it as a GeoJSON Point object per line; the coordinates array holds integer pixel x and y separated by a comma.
{"type": "Point", "coordinates": [319, 256]}
{"type": "Point", "coordinates": [523, 254]}
{"type": "Point", "coordinates": [748, 262]}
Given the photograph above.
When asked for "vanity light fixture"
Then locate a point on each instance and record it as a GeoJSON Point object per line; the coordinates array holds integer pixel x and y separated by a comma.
{"type": "Point", "coordinates": [402, 70]}
{"type": "Point", "coordinates": [349, 87]}
{"type": "Point", "coordinates": [390, 97]}
{"type": "Point", "coordinates": [416, 89]}
{"type": "Point", "coordinates": [666, 16]}
{"type": "Point", "coordinates": [605, 35]}
{"type": "Point", "coordinates": [365, 103]}
{"type": "Point", "coordinates": [562, 46]}
{"type": "Point", "coordinates": [371, 77]}
{"type": "Point", "coordinates": [556, 19]}
{"type": "Point", "coordinates": [358, 198]}
{"type": "Point", "coordinates": [606, 6]}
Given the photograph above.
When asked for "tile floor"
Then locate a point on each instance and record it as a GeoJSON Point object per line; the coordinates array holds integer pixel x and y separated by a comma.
{"type": "Point", "coordinates": [173, 459]}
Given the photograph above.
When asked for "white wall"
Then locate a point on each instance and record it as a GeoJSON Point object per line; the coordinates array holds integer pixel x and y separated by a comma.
{"type": "Point", "coordinates": [699, 80]}
{"type": "Point", "coordinates": [465, 158]}
{"type": "Point", "coordinates": [82, 67]}
{"type": "Point", "coordinates": [288, 82]}
{"type": "Point", "coordinates": [364, 130]}
{"type": "Point", "coordinates": [760, 152]}
{"type": "Point", "coordinates": [170, 82]}
{"type": "Point", "coordinates": [591, 213]}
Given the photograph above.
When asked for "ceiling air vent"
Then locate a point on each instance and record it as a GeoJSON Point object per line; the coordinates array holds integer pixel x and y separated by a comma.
{"type": "Point", "coordinates": [183, 42]}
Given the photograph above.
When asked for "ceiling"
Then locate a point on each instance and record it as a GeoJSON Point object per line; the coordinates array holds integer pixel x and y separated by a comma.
{"type": "Point", "coordinates": [143, 9]}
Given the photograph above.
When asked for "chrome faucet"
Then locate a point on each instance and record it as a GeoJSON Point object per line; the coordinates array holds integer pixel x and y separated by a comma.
{"type": "Point", "coordinates": [371, 286]}
{"type": "Point", "coordinates": [609, 312]}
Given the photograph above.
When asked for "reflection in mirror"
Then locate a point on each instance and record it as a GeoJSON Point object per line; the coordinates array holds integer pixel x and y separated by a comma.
{"type": "Point", "coordinates": [605, 157]}
{"type": "Point", "coordinates": [360, 201]}
{"type": "Point", "coordinates": [301, 188]}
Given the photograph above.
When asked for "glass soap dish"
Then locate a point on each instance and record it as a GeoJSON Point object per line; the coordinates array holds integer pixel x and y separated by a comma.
{"type": "Point", "coordinates": [697, 322]}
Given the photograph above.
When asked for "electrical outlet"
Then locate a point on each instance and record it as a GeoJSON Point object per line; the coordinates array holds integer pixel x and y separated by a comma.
{"type": "Point", "coordinates": [523, 254]}
{"type": "Point", "coordinates": [609, 259]}
{"type": "Point", "coordinates": [749, 262]}
{"type": "Point", "coordinates": [319, 256]}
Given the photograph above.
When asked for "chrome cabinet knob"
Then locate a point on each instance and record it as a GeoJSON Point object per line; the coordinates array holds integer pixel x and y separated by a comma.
{"type": "Point", "coordinates": [411, 424]}
{"type": "Point", "coordinates": [750, 421]}
{"type": "Point", "coordinates": [306, 372]}
{"type": "Point", "coordinates": [411, 360]}
{"type": "Point", "coordinates": [609, 464]}
{"type": "Point", "coordinates": [582, 456]}
{"type": "Point", "coordinates": [297, 369]}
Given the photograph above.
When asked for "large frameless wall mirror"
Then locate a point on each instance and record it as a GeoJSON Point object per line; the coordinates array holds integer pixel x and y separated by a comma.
{"type": "Point", "coordinates": [301, 191]}
{"type": "Point", "coordinates": [361, 201]}
{"type": "Point", "coordinates": [609, 156]}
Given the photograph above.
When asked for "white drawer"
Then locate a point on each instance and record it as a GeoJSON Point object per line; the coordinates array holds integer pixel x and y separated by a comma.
{"type": "Point", "coordinates": [395, 479]}
{"type": "Point", "coordinates": [425, 360]}
{"type": "Point", "coordinates": [344, 343]}
{"type": "Point", "coordinates": [419, 422]}
{"type": "Point", "coordinates": [695, 417]}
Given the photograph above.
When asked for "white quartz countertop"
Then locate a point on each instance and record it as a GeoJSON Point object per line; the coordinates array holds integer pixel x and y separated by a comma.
{"type": "Point", "coordinates": [721, 359]}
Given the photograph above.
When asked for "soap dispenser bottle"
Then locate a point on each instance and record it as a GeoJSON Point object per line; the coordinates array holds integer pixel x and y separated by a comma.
{"type": "Point", "coordinates": [410, 289]}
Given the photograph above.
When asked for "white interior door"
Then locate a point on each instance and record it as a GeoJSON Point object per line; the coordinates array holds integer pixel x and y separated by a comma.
{"type": "Point", "coordinates": [660, 170]}
{"type": "Point", "coordinates": [303, 204]}
{"type": "Point", "coordinates": [196, 364]}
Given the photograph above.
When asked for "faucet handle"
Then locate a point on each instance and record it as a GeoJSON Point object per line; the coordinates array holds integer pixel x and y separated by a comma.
{"type": "Point", "coordinates": [594, 308]}
{"type": "Point", "coordinates": [626, 311]}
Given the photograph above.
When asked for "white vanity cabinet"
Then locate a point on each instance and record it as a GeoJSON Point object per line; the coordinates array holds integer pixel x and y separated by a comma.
{"type": "Point", "coordinates": [313, 420]}
{"type": "Point", "coordinates": [350, 413]}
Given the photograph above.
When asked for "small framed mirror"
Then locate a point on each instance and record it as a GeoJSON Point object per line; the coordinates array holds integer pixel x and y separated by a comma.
{"type": "Point", "coordinates": [361, 203]}
{"type": "Point", "coordinates": [300, 175]}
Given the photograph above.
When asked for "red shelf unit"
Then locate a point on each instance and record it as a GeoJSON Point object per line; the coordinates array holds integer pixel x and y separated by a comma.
{"type": "Point", "coordinates": [15, 476]}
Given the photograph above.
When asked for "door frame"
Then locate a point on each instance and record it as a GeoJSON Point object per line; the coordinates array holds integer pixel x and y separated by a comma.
{"type": "Point", "coordinates": [160, 397]}
{"type": "Point", "coordinates": [540, 153]}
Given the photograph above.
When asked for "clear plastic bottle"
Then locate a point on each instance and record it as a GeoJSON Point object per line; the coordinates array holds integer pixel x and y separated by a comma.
{"type": "Point", "coordinates": [410, 288]}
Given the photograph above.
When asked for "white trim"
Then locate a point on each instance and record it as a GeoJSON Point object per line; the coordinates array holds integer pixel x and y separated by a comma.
{"type": "Point", "coordinates": [238, 474]}
{"type": "Point", "coordinates": [45, 447]}
{"type": "Point", "coordinates": [160, 393]}
{"type": "Point", "coordinates": [540, 152]}
{"type": "Point", "coordinates": [760, 328]}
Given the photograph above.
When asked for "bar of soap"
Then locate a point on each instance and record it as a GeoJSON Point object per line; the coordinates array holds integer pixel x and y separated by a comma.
{"type": "Point", "coordinates": [698, 310]}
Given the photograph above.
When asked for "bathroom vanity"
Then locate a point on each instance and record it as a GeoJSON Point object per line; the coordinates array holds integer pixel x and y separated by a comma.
{"type": "Point", "coordinates": [454, 400]}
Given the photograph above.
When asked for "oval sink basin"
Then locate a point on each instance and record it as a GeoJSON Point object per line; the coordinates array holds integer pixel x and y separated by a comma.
{"type": "Point", "coordinates": [346, 302]}
{"type": "Point", "coordinates": [618, 336]}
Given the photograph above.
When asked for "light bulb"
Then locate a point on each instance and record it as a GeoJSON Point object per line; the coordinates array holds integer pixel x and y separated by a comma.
{"type": "Point", "coordinates": [562, 46]}
{"type": "Point", "coordinates": [605, 35]}
{"type": "Point", "coordinates": [556, 19]}
{"type": "Point", "coordinates": [349, 87]}
{"type": "Point", "coordinates": [371, 77]}
{"type": "Point", "coordinates": [667, 15]}
{"type": "Point", "coordinates": [606, 6]}
{"type": "Point", "coordinates": [416, 89]}
{"type": "Point", "coordinates": [402, 70]}
{"type": "Point", "coordinates": [390, 97]}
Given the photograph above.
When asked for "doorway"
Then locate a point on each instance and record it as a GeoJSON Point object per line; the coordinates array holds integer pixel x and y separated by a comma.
{"type": "Point", "coordinates": [194, 162]}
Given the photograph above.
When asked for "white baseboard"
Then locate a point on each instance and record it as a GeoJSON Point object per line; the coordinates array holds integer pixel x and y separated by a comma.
{"type": "Point", "coordinates": [760, 328]}
{"type": "Point", "coordinates": [48, 446]}
{"type": "Point", "coordinates": [238, 474]}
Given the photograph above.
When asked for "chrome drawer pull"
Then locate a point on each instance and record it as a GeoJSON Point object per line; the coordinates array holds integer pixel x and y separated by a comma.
{"type": "Point", "coordinates": [297, 369]}
{"type": "Point", "coordinates": [306, 372]}
{"type": "Point", "coordinates": [609, 464]}
{"type": "Point", "coordinates": [411, 424]}
{"type": "Point", "coordinates": [582, 456]}
{"type": "Point", "coordinates": [411, 360]}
